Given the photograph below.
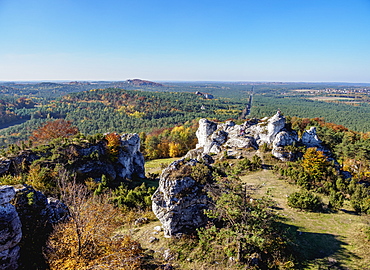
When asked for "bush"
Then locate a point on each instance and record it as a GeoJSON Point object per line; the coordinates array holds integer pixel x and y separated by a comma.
{"type": "Point", "coordinates": [305, 200]}
{"type": "Point", "coordinates": [336, 199]}
{"type": "Point", "coordinates": [201, 173]}
{"type": "Point", "coordinates": [360, 199]}
{"type": "Point", "coordinates": [139, 197]}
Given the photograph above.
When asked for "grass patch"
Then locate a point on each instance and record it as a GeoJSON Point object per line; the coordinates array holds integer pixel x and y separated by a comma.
{"type": "Point", "coordinates": [156, 165]}
{"type": "Point", "coordinates": [324, 240]}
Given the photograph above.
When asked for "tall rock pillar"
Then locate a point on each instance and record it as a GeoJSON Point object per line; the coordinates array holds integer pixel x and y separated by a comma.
{"type": "Point", "coordinates": [10, 230]}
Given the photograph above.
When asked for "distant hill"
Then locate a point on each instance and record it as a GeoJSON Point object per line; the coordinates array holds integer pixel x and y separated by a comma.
{"type": "Point", "coordinates": [139, 82]}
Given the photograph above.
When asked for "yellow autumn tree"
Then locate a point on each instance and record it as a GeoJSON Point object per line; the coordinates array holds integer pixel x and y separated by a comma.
{"type": "Point", "coordinates": [174, 149]}
{"type": "Point", "coordinates": [315, 163]}
{"type": "Point", "coordinates": [87, 239]}
{"type": "Point", "coordinates": [113, 145]}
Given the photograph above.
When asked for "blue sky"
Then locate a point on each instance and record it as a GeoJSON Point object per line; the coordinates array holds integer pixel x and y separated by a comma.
{"type": "Point", "coordinates": [260, 40]}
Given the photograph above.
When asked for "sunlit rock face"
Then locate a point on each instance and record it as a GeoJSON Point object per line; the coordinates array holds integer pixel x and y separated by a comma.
{"type": "Point", "coordinates": [180, 200]}
{"type": "Point", "coordinates": [310, 138]}
{"type": "Point", "coordinates": [129, 163]}
{"type": "Point", "coordinates": [130, 159]}
{"type": "Point", "coordinates": [214, 138]}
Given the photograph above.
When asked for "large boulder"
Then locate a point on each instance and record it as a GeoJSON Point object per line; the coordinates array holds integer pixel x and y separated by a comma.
{"type": "Point", "coordinates": [10, 230]}
{"type": "Point", "coordinates": [180, 200]}
{"type": "Point", "coordinates": [267, 129]}
{"type": "Point", "coordinates": [206, 128]}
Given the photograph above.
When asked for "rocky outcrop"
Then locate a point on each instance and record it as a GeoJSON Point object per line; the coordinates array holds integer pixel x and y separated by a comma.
{"type": "Point", "coordinates": [130, 159]}
{"type": "Point", "coordinates": [10, 230]}
{"type": "Point", "coordinates": [180, 200]}
{"type": "Point", "coordinates": [310, 139]}
{"type": "Point", "coordinates": [27, 221]}
{"type": "Point", "coordinates": [272, 131]}
{"type": "Point", "coordinates": [86, 159]}
{"type": "Point", "coordinates": [128, 164]}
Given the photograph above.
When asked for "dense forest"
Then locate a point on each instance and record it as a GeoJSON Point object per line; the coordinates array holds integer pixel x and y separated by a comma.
{"type": "Point", "coordinates": [117, 110]}
{"type": "Point", "coordinates": [353, 117]}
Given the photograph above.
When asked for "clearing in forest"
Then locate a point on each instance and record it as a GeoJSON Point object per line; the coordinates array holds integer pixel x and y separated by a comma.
{"type": "Point", "coordinates": [334, 240]}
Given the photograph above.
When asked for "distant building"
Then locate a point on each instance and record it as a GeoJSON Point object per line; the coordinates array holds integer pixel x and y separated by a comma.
{"type": "Point", "coordinates": [205, 95]}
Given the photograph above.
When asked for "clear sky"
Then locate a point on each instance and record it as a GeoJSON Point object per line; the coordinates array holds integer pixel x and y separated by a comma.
{"type": "Point", "coordinates": [185, 40]}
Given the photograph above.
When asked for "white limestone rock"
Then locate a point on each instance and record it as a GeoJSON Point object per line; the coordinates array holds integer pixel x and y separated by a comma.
{"type": "Point", "coordinates": [214, 138]}
{"type": "Point", "coordinates": [179, 200]}
{"type": "Point", "coordinates": [130, 159]}
{"type": "Point", "coordinates": [310, 139]}
{"type": "Point", "coordinates": [206, 128]}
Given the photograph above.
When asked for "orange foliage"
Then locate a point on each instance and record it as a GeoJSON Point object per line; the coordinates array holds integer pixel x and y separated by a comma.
{"type": "Point", "coordinates": [54, 129]}
{"type": "Point", "coordinates": [113, 139]}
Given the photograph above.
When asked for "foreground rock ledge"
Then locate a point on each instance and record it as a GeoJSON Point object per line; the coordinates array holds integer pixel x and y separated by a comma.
{"type": "Point", "coordinates": [10, 230]}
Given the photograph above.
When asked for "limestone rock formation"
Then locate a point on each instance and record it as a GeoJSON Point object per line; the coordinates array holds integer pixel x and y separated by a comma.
{"type": "Point", "coordinates": [206, 128]}
{"type": "Point", "coordinates": [28, 222]}
{"type": "Point", "coordinates": [88, 160]}
{"type": "Point", "coordinates": [130, 159]}
{"type": "Point", "coordinates": [272, 131]}
{"type": "Point", "coordinates": [310, 139]}
{"type": "Point", "coordinates": [10, 230]}
{"type": "Point", "coordinates": [34, 205]}
{"type": "Point", "coordinates": [179, 200]}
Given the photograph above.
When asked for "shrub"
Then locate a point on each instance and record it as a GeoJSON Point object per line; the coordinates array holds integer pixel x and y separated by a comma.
{"type": "Point", "coordinates": [336, 199]}
{"type": "Point", "coordinates": [360, 199]}
{"type": "Point", "coordinates": [201, 173]}
{"type": "Point", "coordinates": [139, 197]}
{"type": "Point", "coordinates": [242, 227]}
{"type": "Point", "coordinates": [305, 200]}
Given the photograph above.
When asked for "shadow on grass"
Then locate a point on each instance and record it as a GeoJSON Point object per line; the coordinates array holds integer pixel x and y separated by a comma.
{"type": "Point", "coordinates": [348, 212]}
{"type": "Point", "coordinates": [323, 250]}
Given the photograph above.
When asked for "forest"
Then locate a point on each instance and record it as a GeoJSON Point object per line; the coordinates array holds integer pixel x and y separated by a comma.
{"type": "Point", "coordinates": [25, 106]}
